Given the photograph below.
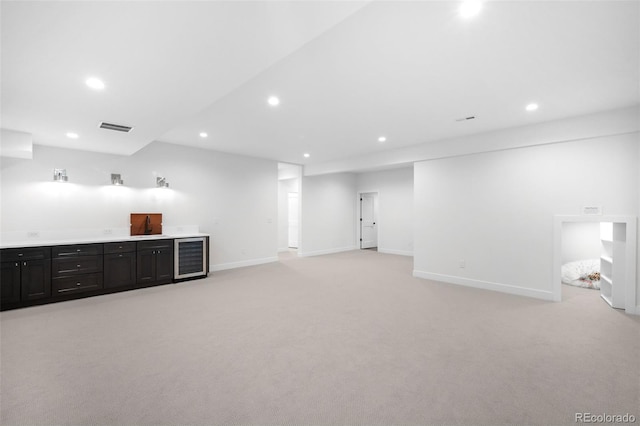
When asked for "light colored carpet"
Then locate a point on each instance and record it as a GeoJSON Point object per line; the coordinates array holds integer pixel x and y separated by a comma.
{"type": "Point", "coordinates": [348, 339]}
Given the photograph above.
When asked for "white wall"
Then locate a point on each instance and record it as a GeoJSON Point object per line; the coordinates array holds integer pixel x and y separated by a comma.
{"type": "Point", "coordinates": [16, 144]}
{"type": "Point", "coordinates": [495, 210]}
{"type": "Point", "coordinates": [580, 240]}
{"type": "Point", "coordinates": [615, 122]}
{"type": "Point", "coordinates": [230, 197]}
{"type": "Point", "coordinates": [328, 214]}
{"type": "Point", "coordinates": [395, 208]}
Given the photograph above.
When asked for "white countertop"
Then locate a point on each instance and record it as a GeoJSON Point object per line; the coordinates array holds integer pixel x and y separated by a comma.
{"type": "Point", "coordinates": [37, 242]}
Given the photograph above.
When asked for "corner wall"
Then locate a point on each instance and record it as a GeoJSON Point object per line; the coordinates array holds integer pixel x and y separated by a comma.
{"type": "Point", "coordinates": [493, 212]}
{"type": "Point", "coordinates": [232, 198]}
{"type": "Point", "coordinates": [395, 215]}
{"type": "Point", "coordinates": [328, 214]}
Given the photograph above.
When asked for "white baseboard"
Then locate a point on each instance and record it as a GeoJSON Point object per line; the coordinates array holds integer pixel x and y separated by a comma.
{"type": "Point", "coordinates": [486, 285]}
{"type": "Point", "coordinates": [327, 251]}
{"type": "Point", "coordinates": [398, 252]}
{"type": "Point", "coordinates": [243, 263]}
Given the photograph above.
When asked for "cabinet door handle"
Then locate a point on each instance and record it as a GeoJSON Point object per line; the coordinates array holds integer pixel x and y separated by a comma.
{"type": "Point", "coordinates": [17, 264]}
{"type": "Point", "coordinates": [78, 284]}
{"type": "Point", "coordinates": [119, 255]}
{"type": "Point", "coordinates": [24, 263]}
{"type": "Point", "coordinates": [158, 251]}
{"type": "Point", "coordinates": [77, 266]}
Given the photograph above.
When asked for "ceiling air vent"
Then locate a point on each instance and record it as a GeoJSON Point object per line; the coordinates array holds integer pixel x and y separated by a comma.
{"type": "Point", "coordinates": [116, 127]}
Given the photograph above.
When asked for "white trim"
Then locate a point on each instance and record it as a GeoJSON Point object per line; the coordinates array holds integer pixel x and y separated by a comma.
{"type": "Point", "coordinates": [327, 251]}
{"type": "Point", "coordinates": [243, 263]}
{"type": "Point", "coordinates": [398, 252]}
{"type": "Point", "coordinates": [485, 285]}
{"type": "Point", "coordinates": [630, 222]}
{"type": "Point", "coordinates": [285, 249]}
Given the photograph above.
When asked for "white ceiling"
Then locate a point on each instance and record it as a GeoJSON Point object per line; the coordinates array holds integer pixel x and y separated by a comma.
{"type": "Point", "coordinates": [346, 72]}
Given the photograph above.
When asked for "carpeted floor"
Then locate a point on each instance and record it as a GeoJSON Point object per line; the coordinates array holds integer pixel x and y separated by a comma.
{"type": "Point", "coordinates": [344, 339]}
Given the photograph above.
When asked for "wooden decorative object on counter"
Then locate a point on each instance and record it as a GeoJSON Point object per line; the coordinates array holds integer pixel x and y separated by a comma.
{"type": "Point", "coordinates": [146, 223]}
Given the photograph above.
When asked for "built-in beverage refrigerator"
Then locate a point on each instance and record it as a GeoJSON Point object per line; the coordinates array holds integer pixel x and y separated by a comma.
{"type": "Point", "coordinates": [190, 257]}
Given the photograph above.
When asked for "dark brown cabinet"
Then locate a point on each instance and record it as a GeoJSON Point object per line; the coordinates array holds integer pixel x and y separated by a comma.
{"type": "Point", "coordinates": [154, 262]}
{"type": "Point", "coordinates": [76, 269]}
{"type": "Point", "coordinates": [119, 265]}
{"type": "Point", "coordinates": [36, 279]}
{"type": "Point", "coordinates": [25, 275]}
{"type": "Point", "coordinates": [36, 275]}
{"type": "Point", "coordinates": [10, 283]}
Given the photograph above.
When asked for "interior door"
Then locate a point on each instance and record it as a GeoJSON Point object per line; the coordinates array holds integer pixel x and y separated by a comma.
{"type": "Point", "coordinates": [368, 228]}
{"type": "Point", "coordinates": [293, 220]}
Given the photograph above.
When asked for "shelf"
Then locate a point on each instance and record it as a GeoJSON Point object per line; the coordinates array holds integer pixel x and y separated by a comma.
{"type": "Point", "coordinates": [612, 245]}
{"type": "Point", "coordinates": [607, 299]}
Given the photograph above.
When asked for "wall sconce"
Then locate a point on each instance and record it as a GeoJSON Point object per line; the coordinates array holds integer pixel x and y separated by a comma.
{"type": "Point", "coordinates": [161, 182]}
{"type": "Point", "coordinates": [116, 179]}
{"type": "Point", "coordinates": [60, 175]}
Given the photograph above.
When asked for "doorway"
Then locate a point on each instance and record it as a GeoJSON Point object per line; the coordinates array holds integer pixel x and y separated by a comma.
{"type": "Point", "coordinates": [293, 212]}
{"type": "Point", "coordinates": [368, 220]}
{"type": "Point", "coordinates": [289, 200]}
{"type": "Point", "coordinates": [616, 240]}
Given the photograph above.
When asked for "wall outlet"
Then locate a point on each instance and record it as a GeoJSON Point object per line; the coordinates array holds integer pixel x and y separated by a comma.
{"type": "Point", "coordinates": [107, 231]}
{"type": "Point", "coordinates": [33, 234]}
{"type": "Point", "coordinates": [462, 264]}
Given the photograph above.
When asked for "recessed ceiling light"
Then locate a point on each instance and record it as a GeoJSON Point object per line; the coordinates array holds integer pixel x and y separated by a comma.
{"type": "Point", "coordinates": [307, 155]}
{"type": "Point", "coordinates": [273, 101]}
{"type": "Point", "coordinates": [95, 83]}
{"type": "Point", "coordinates": [382, 139]}
{"type": "Point", "coordinates": [531, 107]}
{"type": "Point", "coordinates": [470, 8]}
{"type": "Point", "coordinates": [203, 135]}
{"type": "Point", "coordinates": [72, 135]}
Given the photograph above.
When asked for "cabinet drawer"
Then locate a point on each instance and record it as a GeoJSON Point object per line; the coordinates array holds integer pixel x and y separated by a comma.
{"type": "Point", "coordinates": [77, 250]}
{"type": "Point", "coordinates": [78, 284]}
{"type": "Point", "coordinates": [30, 253]}
{"type": "Point", "coordinates": [155, 245]}
{"type": "Point", "coordinates": [76, 265]}
{"type": "Point", "coordinates": [123, 247]}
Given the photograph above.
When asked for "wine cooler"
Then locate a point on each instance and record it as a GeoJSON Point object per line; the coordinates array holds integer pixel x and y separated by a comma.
{"type": "Point", "coordinates": [190, 257]}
